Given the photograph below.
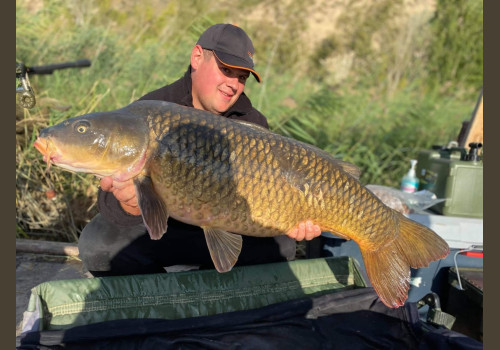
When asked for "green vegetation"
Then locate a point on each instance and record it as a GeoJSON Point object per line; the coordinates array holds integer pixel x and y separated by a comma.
{"type": "Point", "coordinates": [374, 91]}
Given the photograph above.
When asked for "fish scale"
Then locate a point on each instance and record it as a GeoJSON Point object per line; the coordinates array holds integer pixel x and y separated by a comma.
{"type": "Point", "coordinates": [234, 178]}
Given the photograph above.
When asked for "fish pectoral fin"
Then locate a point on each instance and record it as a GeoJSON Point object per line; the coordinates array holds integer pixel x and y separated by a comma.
{"type": "Point", "coordinates": [153, 210]}
{"type": "Point", "coordinates": [224, 247]}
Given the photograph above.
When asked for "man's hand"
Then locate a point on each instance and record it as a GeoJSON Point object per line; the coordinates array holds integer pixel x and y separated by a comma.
{"type": "Point", "coordinates": [305, 230]}
{"type": "Point", "coordinates": [124, 192]}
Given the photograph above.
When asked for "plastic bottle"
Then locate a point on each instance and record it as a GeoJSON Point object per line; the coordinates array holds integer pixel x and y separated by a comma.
{"type": "Point", "coordinates": [410, 181]}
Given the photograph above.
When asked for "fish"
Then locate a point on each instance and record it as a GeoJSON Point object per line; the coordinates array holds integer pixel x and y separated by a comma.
{"type": "Point", "coordinates": [235, 178]}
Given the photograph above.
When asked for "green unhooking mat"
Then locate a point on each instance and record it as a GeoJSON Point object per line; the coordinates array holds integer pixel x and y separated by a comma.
{"type": "Point", "coordinates": [58, 305]}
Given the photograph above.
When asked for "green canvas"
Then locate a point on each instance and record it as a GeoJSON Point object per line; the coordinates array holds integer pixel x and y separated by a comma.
{"type": "Point", "coordinates": [63, 304]}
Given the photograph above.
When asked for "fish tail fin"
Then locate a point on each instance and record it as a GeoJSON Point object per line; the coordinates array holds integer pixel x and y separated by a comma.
{"type": "Point", "coordinates": [388, 268]}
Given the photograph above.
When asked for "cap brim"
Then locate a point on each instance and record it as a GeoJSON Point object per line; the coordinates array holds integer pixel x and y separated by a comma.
{"type": "Point", "coordinates": [235, 62]}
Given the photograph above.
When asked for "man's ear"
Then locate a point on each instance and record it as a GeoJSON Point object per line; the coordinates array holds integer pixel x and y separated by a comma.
{"type": "Point", "coordinates": [196, 56]}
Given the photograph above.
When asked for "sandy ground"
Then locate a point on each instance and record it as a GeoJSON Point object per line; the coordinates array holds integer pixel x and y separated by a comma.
{"type": "Point", "coordinates": [33, 269]}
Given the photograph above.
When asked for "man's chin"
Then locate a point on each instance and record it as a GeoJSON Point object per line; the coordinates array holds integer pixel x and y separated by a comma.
{"type": "Point", "coordinates": [221, 108]}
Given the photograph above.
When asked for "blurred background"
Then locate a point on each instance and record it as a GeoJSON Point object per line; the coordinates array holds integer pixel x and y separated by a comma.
{"type": "Point", "coordinates": [371, 82]}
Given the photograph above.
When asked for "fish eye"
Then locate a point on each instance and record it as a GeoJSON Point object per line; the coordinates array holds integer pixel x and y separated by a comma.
{"type": "Point", "coordinates": [82, 126]}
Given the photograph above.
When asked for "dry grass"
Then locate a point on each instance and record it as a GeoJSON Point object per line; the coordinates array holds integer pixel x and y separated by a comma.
{"type": "Point", "coordinates": [52, 205]}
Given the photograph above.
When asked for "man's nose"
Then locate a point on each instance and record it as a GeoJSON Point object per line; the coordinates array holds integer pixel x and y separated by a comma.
{"type": "Point", "coordinates": [232, 82]}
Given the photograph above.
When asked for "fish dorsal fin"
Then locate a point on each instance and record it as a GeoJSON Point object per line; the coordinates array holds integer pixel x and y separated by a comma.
{"type": "Point", "coordinates": [349, 168]}
{"type": "Point", "coordinates": [252, 125]}
{"type": "Point", "coordinates": [153, 210]}
{"type": "Point", "coordinates": [224, 247]}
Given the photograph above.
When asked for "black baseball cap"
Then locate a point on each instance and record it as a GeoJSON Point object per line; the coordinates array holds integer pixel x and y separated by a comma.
{"type": "Point", "coordinates": [231, 45]}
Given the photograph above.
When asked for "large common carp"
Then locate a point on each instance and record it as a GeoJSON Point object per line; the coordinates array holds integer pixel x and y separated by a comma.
{"type": "Point", "coordinates": [233, 177]}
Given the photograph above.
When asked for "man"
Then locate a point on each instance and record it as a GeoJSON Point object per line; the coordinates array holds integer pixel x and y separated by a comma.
{"type": "Point", "coordinates": [116, 242]}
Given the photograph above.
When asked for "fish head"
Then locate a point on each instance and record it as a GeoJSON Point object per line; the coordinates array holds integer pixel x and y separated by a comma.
{"type": "Point", "coordinates": [104, 144]}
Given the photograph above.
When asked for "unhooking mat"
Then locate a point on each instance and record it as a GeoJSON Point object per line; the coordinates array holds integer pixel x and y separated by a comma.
{"type": "Point", "coordinates": [59, 305]}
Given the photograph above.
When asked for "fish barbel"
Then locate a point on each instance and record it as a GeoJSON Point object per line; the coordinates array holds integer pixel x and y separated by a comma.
{"type": "Point", "coordinates": [235, 178]}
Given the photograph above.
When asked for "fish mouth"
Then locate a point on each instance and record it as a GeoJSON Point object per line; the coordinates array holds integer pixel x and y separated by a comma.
{"type": "Point", "coordinates": [47, 149]}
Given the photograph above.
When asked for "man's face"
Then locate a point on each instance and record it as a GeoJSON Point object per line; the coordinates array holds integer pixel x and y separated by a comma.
{"type": "Point", "coordinates": [216, 87]}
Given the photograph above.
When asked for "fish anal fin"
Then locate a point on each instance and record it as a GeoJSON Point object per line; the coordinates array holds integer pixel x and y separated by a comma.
{"type": "Point", "coordinates": [388, 267]}
{"type": "Point", "coordinates": [224, 247]}
{"type": "Point", "coordinates": [153, 210]}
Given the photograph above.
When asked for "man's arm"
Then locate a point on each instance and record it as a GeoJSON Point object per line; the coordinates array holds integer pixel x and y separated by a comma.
{"type": "Point", "coordinates": [111, 209]}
